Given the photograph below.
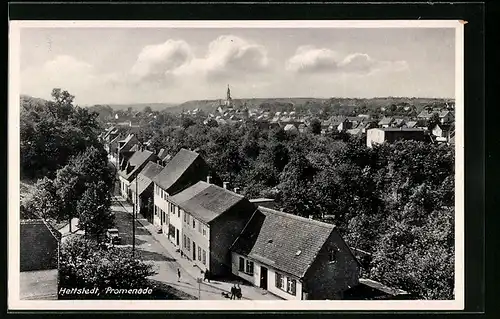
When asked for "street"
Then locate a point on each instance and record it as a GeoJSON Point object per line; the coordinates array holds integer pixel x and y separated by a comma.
{"type": "Point", "coordinates": [165, 264]}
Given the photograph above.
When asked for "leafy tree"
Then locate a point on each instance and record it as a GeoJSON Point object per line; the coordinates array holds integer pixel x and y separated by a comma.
{"type": "Point", "coordinates": [187, 122]}
{"type": "Point", "coordinates": [315, 126]}
{"type": "Point", "coordinates": [147, 110]}
{"type": "Point", "coordinates": [94, 213]}
{"type": "Point", "coordinates": [43, 201]}
{"type": "Point", "coordinates": [53, 131]}
{"type": "Point", "coordinates": [86, 264]}
{"type": "Point", "coordinates": [433, 121]}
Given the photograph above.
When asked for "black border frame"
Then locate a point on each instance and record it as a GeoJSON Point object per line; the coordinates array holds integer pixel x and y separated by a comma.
{"type": "Point", "coordinates": [474, 73]}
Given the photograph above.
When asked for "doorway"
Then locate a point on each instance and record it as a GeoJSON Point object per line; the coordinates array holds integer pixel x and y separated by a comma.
{"type": "Point", "coordinates": [177, 237]}
{"type": "Point", "coordinates": [194, 251]}
{"type": "Point", "coordinates": [263, 277]}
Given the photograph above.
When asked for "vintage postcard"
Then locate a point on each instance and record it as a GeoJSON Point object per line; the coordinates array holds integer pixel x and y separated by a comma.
{"type": "Point", "coordinates": [239, 165]}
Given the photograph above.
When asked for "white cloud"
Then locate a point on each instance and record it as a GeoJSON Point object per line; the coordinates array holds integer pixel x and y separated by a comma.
{"type": "Point", "coordinates": [308, 59]}
{"type": "Point", "coordinates": [156, 61]}
{"type": "Point", "coordinates": [227, 54]}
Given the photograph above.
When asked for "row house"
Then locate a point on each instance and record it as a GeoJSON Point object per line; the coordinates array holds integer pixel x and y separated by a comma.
{"type": "Point", "coordinates": [143, 188]}
{"type": "Point", "coordinates": [186, 168]}
{"type": "Point", "coordinates": [112, 149]}
{"type": "Point", "coordinates": [212, 217]}
{"type": "Point", "coordinates": [130, 169]}
{"type": "Point", "coordinates": [294, 257]}
{"type": "Point", "coordinates": [121, 149]}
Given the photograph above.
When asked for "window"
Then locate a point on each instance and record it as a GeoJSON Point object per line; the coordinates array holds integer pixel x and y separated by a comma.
{"type": "Point", "coordinates": [199, 227]}
{"type": "Point", "coordinates": [249, 267]}
{"type": "Point", "coordinates": [178, 212]}
{"type": "Point", "coordinates": [199, 253]}
{"type": "Point", "coordinates": [194, 223]}
{"type": "Point", "coordinates": [292, 286]}
{"type": "Point", "coordinates": [332, 255]}
{"type": "Point", "coordinates": [280, 281]}
{"type": "Point", "coordinates": [188, 244]}
{"type": "Point", "coordinates": [204, 257]}
{"type": "Point", "coordinates": [184, 241]}
{"type": "Point", "coordinates": [242, 264]}
{"type": "Point", "coordinates": [185, 218]}
{"type": "Point", "coordinates": [204, 231]}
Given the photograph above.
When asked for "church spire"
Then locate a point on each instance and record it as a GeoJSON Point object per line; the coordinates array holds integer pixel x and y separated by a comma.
{"type": "Point", "coordinates": [228, 93]}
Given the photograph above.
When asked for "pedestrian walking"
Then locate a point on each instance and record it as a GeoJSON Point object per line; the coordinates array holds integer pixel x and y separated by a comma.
{"type": "Point", "coordinates": [233, 292]}
{"type": "Point", "coordinates": [238, 292]}
{"type": "Point", "coordinates": [178, 274]}
{"type": "Point", "coordinates": [206, 276]}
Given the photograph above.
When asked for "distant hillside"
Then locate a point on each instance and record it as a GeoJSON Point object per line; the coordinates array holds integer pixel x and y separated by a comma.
{"type": "Point", "coordinates": [141, 106]}
{"type": "Point", "coordinates": [275, 104]}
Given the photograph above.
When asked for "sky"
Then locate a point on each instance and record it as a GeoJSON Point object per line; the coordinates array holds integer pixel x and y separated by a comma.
{"type": "Point", "coordinates": [173, 65]}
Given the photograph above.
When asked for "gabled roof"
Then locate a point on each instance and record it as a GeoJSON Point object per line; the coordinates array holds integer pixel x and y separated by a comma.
{"type": "Point", "coordinates": [386, 121]}
{"type": "Point", "coordinates": [397, 129]}
{"type": "Point", "coordinates": [136, 162]}
{"type": "Point", "coordinates": [290, 127]}
{"type": "Point", "coordinates": [426, 114]}
{"type": "Point", "coordinates": [127, 143]}
{"type": "Point", "coordinates": [135, 148]}
{"type": "Point", "coordinates": [444, 113]}
{"type": "Point", "coordinates": [354, 131]}
{"type": "Point", "coordinates": [145, 177]}
{"type": "Point", "coordinates": [411, 124]}
{"type": "Point", "coordinates": [283, 241]}
{"type": "Point", "coordinates": [206, 201]}
{"type": "Point", "coordinates": [176, 168]}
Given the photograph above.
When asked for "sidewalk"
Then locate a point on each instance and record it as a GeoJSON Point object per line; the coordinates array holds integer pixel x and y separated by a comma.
{"type": "Point", "coordinates": [248, 292]}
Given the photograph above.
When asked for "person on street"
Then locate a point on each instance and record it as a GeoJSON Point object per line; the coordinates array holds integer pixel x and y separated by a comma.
{"type": "Point", "coordinates": [178, 274]}
{"type": "Point", "coordinates": [238, 292]}
{"type": "Point", "coordinates": [206, 276]}
{"type": "Point", "coordinates": [233, 292]}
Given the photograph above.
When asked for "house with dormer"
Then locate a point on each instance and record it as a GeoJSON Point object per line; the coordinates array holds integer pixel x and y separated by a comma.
{"type": "Point", "coordinates": [123, 150]}
{"type": "Point", "coordinates": [131, 168]}
{"type": "Point", "coordinates": [293, 257]}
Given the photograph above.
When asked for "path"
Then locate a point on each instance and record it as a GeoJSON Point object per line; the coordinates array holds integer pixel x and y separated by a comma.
{"type": "Point", "coordinates": [158, 249]}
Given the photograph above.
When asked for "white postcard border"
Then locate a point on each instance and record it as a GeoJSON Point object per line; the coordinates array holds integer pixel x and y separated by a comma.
{"type": "Point", "coordinates": [14, 302]}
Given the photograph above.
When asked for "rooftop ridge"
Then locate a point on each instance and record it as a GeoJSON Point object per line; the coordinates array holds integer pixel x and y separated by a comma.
{"type": "Point", "coordinates": [225, 189]}
{"type": "Point", "coordinates": [288, 215]}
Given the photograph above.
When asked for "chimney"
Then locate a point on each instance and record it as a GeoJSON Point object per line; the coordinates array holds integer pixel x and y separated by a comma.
{"type": "Point", "coordinates": [236, 190]}
{"type": "Point", "coordinates": [225, 184]}
{"type": "Point", "coordinates": [208, 179]}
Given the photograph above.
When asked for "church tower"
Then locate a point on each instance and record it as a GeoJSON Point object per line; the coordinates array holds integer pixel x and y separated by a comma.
{"type": "Point", "coordinates": [229, 100]}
